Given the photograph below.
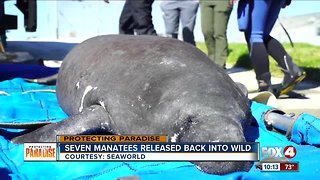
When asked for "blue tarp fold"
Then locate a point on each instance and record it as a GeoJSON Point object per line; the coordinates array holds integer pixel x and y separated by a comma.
{"type": "Point", "coordinates": [306, 130]}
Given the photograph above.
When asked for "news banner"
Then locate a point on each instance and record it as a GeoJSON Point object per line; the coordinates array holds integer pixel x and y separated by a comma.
{"type": "Point", "coordinates": [145, 148]}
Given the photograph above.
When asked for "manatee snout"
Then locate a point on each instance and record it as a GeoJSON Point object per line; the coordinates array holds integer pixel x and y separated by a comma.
{"type": "Point", "coordinates": [218, 128]}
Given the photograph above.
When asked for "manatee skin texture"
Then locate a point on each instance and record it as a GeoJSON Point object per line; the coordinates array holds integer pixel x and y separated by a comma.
{"type": "Point", "coordinates": [122, 84]}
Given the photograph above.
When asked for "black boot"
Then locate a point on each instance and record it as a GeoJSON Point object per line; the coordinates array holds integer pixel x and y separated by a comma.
{"type": "Point", "coordinates": [264, 82]}
{"type": "Point", "coordinates": [292, 76]}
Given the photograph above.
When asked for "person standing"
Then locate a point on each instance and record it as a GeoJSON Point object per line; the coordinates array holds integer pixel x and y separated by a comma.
{"type": "Point", "coordinates": [136, 18]}
{"type": "Point", "coordinates": [257, 18]}
{"type": "Point", "coordinates": [214, 21]}
{"type": "Point", "coordinates": [175, 11]}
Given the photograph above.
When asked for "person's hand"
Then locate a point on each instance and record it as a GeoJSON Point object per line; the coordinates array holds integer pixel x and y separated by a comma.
{"type": "Point", "coordinates": [107, 1]}
{"type": "Point", "coordinates": [232, 2]}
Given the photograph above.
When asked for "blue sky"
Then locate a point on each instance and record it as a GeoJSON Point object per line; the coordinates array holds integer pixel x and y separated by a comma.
{"type": "Point", "coordinates": [94, 17]}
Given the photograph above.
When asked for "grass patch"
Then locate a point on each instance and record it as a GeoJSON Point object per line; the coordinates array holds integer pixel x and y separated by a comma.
{"type": "Point", "coordinates": [304, 55]}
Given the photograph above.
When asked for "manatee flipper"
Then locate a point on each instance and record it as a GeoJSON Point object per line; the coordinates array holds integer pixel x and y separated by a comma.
{"type": "Point", "coordinates": [90, 119]}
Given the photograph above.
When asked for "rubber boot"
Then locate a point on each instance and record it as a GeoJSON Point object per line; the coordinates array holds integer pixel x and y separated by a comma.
{"type": "Point", "coordinates": [292, 76]}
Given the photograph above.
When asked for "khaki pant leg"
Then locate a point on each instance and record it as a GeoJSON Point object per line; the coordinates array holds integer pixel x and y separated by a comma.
{"type": "Point", "coordinates": [221, 17]}
{"type": "Point", "coordinates": [207, 22]}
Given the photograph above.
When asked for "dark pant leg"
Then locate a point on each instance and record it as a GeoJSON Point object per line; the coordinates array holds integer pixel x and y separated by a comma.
{"type": "Point", "coordinates": [126, 21]}
{"type": "Point", "coordinates": [142, 16]}
{"type": "Point", "coordinates": [277, 51]}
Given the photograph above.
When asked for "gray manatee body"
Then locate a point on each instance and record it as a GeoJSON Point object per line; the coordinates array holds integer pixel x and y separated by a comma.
{"type": "Point", "coordinates": [121, 84]}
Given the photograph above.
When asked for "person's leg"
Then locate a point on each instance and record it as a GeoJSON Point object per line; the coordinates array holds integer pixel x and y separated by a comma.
{"type": "Point", "coordinates": [142, 16]}
{"type": "Point", "coordinates": [247, 37]}
{"type": "Point", "coordinates": [188, 14]}
{"type": "Point", "coordinates": [207, 28]}
{"type": "Point", "coordinates": [171, 17]}
{"type": "Point", "coordinates": [258, 52]}
{"type": "Point", "coordinates": [126, 23]}
{"type": "Point", "coordinates": [274, 48]}
{"type": "Point", "coordinates": [246, 26]}
{"type": "Point", "coordinates": [222, 13]}
{"type": "Point", "coordinates": [292, 73]}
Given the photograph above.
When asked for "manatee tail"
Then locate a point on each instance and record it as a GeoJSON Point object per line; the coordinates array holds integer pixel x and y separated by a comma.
{"type": "Point", "coordinates": [92, 119]}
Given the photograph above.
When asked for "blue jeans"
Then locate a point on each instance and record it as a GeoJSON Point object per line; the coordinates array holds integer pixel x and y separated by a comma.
{"type": "Point", "coordinates": [180, 10]}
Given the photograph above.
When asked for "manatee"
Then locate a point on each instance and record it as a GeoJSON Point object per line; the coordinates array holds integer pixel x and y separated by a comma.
{"type": "Point", "coordinates": [127, 85]}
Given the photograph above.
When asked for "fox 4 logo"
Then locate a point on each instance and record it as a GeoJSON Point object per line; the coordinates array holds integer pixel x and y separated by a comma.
{"type": "Point", "coordinates": [278, 152]}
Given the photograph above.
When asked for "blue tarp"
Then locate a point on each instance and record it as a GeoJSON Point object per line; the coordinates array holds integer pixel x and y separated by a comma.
{"type": "Point", "coordinates": [10, 71]}
{"type": "Point", "coordinates": [25, 105]}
